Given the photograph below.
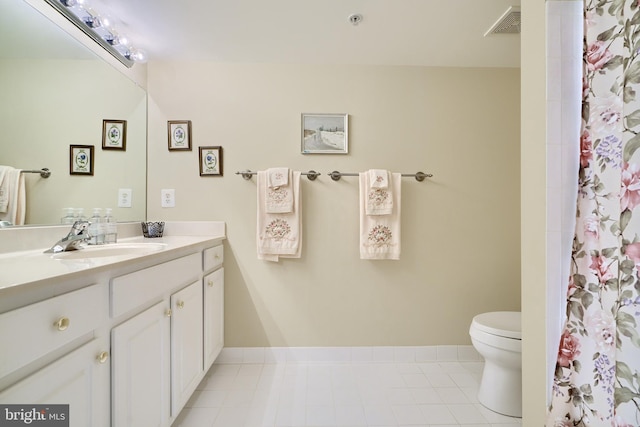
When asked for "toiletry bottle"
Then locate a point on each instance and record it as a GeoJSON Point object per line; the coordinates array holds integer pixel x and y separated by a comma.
{"type": "Point", "coordinates": [110, 226]}
{"type": "Point", "coordinates": [96, 229]}
{"type": "Point", "coordinates": [67, 217]}
{"type": "Point", "coordinates": [79, 215]}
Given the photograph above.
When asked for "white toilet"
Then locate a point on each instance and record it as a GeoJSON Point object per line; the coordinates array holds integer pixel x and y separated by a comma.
{"type": "Point", "coordinates": [497, 336]}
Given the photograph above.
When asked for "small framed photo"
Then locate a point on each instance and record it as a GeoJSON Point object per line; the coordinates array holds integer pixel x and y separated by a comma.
{"type": "Point", "coordinates": [211, 161]}
{"type": "Point", "coordinates": [325, 134]}
{"type": "Point", "coordinates": [114, 135]}
{"type": "Point", "coordinates": [179, 134]}
{"type": "Point", "coordinates": [81, 159]}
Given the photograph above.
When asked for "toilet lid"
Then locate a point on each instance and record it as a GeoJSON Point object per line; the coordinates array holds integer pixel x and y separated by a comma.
{"type": "Point", "coordinates": [500, 323]}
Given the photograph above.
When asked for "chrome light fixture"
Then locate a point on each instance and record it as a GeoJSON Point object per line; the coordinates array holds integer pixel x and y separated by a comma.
{"type": "Point", "coordinates": [100, 29]}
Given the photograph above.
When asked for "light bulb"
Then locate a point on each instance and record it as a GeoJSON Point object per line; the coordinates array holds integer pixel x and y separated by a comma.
{"type": "Point", "coordinates": [139, 56]}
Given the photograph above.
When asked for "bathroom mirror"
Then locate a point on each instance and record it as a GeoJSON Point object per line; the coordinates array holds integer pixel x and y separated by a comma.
{"type": "Point", "coordinates": [56, 93]}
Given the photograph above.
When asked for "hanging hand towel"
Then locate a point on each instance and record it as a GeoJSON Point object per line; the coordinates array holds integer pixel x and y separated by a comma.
{"type": "Point", "coordinates": [4, 188]}
{"type": "Point", "coordinates": [278, 191]}
{"type": "Point", "coordinates": [379, 194]}
{"type": "Point", "coordinates": [279, 234]}
{"type": "Point", "coordinates": [16, 206]}
{"type": "Point", "coordinates": [380, 234]}
{"type": "Point", "coordinates": [379, 178]}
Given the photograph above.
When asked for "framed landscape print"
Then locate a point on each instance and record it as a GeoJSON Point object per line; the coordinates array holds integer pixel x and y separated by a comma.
{"type": "Point", "coordinates": [325, 134]}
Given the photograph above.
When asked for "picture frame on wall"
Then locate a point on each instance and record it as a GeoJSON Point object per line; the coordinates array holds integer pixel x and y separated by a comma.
{"type": "Point", "coordinates": [81, 159]}
{"type": "Point", "coordinates": [211, 161]}
{"type": "Point", "coordinates": [114, 135]}
{"type": "Point", "coordinates": [179, 135]}
{"type": "Point", "coordinates": [325, 133]}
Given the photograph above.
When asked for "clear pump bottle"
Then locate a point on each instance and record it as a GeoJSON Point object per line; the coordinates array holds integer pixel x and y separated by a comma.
{"type": "Point", "coordinates": [110, 227]}
{"type": "Point", "coordinates": [96, 229]}
{"type": "Point", "coordinates": [67, 217]}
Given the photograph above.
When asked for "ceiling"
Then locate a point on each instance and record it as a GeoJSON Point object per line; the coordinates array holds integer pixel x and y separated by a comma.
{"type": "Point", "coordinates": [392, 32]}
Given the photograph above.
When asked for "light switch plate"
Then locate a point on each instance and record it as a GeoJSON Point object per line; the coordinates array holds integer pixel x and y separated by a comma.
{"type": "Point", "coordinates": [124, 197]}
{"type": "Point", "coordinates": [168, 198]}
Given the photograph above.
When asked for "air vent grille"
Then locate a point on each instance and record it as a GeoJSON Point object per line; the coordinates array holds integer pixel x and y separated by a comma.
{"type": "Point", "coordinates": [508, 23]}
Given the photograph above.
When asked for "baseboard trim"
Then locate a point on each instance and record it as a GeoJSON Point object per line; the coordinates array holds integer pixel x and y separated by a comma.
{"type": "Point", "coordinates": [402, 354]}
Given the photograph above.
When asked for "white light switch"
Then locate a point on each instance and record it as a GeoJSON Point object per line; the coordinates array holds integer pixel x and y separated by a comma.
{"type": "Point", "coordinates": [168, 198]}
{"type": "Point", "coordinates": [124, 198]}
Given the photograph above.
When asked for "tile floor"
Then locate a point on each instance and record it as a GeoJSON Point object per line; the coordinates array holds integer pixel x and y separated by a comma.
{"type": "Point", "coordinates": [433, 394]}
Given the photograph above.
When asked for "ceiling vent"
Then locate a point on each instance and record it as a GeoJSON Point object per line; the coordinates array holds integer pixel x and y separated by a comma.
{"type": "Point", "coordinates": [508, 23]}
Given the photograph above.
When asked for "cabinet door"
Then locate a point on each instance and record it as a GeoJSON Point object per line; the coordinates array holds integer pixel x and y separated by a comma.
{"type": "Point", "coordinates": [213, 316]}
{"type": "Point", "coordinates": [186, 344]}
{"type": "Point", "coordinates": [79, 379]}
{"type": "Point", "coordinates": [140, 364]}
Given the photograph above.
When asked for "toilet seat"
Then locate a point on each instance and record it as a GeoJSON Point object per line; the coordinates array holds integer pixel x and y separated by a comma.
{"type": "Point", "coordinates": [505, 324]}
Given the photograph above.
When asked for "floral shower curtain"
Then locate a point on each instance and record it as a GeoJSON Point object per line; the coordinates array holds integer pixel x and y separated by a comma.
{"type": "Point", "coordinates": [597, 377]}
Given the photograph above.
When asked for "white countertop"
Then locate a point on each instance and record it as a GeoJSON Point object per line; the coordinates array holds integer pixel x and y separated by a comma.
{"type": "Point", "coordinates": [29, 265]}
{"type": "Point", "coordinates": [20, 268]}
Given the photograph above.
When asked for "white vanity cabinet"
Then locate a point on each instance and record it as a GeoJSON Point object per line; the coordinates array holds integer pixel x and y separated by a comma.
{"type": "Point", "coordinates": [213, 316]}
{"type": "Point", "coordinates": [186, 344]}
{"type": "Point", "coordinates": [59, 334]}
{"type": "Point", "coordinates": [124, 345]}
{"type": "Point", "coordinates": [79, 379]}
{"type": "Point", "coordinates": [159, 353]}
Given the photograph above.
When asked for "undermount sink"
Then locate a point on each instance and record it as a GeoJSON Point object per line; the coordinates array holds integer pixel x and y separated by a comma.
{"type": "Point", "coordinates": [111, 250]}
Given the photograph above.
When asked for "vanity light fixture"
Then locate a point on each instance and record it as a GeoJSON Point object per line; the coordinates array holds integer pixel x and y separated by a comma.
{"type": "Point", "coordinates": [101, 30]}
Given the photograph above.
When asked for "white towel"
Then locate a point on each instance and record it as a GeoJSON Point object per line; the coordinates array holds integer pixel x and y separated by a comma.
{"type": "Point", "coordinates": [279, 234]}
{"type": "Point", "coordinates": [278, 191]}
{"type": "Point", "coordinates": [379, 195]}
{"type": "Point", "coordinates": [380, 234]}
{"type": "Point", "coordinates": [379, 178]}
{"type": "Point", "coordinates": [16, 205]}
{"type": "Point", "coordinates": [4, 188]}
{"type": "Point", "coordinates": [278, 177]}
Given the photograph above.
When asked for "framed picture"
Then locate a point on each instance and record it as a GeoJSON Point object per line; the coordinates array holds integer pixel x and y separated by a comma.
{"type": "Point", "coordinates": [81, 159]}
{"type": "Point", "coordinates": [114, 134]}
{"type": "Point", "coordinates": [325, 133]}
{"type": "Point", "coordinates": [179, 134]}
{"type": "Point", "coordinates": [211, 161]}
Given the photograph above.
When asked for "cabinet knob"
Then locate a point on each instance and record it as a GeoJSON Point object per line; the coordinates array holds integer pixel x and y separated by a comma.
{"type": "Point", "coordinates": [103, 356]}
{"type": "Point", "coordinates": [210, 283]}
{"type": "Point", "coordinates": [168, 312]}
{"type": "Point", "coordinates": [180, 304]}
{"type": "Point", "coordinates": [216, 256]}
{"type": "Point", "coordinates": [62, 323]}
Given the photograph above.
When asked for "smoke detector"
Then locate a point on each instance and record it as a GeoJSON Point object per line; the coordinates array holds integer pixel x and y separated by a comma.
{"type": "Point", "coordinates": [508, 23]}
{"type": "Point", "coordinates": [355, 18]}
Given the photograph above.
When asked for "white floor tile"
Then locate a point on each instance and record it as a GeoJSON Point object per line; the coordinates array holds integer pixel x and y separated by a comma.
{"type": "Point", "coordinates": [375, 392]}
{"type": "Point", "coordinates": [351, 416]}
{"type": "Point", "coordinates": [408, 415]}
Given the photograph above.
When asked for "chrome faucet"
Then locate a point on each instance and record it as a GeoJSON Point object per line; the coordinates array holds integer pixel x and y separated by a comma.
{"type": "Point", "coordinates": [71, 242]}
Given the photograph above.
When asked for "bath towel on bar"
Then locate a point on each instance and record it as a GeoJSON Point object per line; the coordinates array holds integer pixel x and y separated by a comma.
{"type": "Point", "coordinates": [379, 196]}
{"type": "Point", "coordinates": [279, 191]}
{"type": "Point", "coordinates": [12, 188]}
{"type": "Point", "coordinates": [4, 188]}
{"type": "Point", "coordinates": [380, 234]}
{"type": "Point", "coordinates": [279, 234]}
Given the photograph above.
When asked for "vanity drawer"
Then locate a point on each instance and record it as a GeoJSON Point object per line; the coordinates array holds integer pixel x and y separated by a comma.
{"type": "Point", "coordinates": [31, 332]}
{"type": "Point", "coordinates": [135, 289]}
{"type": "Point", "coordinates": [213, 257]}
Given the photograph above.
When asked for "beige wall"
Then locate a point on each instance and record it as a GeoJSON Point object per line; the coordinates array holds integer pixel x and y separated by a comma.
{"type": "Point", "coordinates": [534, 206]}
{"type": "Point", "coordinates": [461, 229]}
